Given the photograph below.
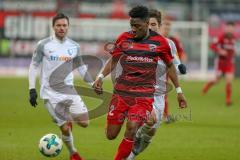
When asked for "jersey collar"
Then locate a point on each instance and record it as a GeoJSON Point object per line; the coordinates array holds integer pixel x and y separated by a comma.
{"type": "Point", "coordinates": [58, 40]}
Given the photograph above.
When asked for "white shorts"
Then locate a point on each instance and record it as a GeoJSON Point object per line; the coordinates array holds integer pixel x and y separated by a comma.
{"type": "Point", "coordinates": [62, 107]}
{"type": "Point", "coordinates": [158, 108]}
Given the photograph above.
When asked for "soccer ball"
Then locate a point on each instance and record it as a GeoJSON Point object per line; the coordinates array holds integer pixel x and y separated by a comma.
{"type": "Point", "coordinates": [50, 145]}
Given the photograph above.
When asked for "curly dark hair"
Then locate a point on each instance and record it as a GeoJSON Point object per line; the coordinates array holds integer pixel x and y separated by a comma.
{"type": "Point", "coordinates": [139, 12]}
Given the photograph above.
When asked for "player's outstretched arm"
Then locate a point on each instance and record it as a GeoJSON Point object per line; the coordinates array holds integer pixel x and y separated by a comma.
{"type": "Point", "coordinates": [174, 78]}
{"type": "Point", "coordinates": [107, 69]}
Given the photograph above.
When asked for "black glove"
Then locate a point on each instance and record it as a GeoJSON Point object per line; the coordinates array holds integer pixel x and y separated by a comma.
{"type": "Point", "coordinates": [182, 68]}
{"type": "Point", "coordinates": [33, 97]}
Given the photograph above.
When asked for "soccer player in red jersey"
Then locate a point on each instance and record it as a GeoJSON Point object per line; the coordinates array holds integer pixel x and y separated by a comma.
{"type": "Point", "coordinates": [146, 132]}
{"type": "Point", "coordinates": [138, 52]}
{"type": "Point", "coordinates": [224, 47]}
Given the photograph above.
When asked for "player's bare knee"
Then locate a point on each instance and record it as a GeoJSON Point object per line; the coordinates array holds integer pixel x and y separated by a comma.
{"type": "Point", "coordinates": [131, 131]}
{"type": "Point", "coordinates": [81, 119]}
{"type": "Point", "coordinates": [152, 132]}
{"type": "Point", "coordinates": [229, 79]}
{"type": "Point", "coordinates": [65, 129]}
{"type": "Point", "coordinates": [217, 79]}
{"type": "Point", "coordinates": [111, 136]}
{"type": "Point", "coordinates": [83, 124]}
{"type": "Point", "coordinates": [152, 119]}
{"type": "Point", "coordinates": [112, 131]}
{"type": "Point", "coordinates": [150, 122]}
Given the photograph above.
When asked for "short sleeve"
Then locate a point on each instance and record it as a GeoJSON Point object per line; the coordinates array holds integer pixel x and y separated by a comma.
{"type": "Point", "coordinates": [173, 48]}
{"type": "Point", "coordinates": [38, 53]}
{"type": "Point", "coordinates": [165, 52]}
{"type": "Point", "coordinates": [118, 45]}
{"type": "Point", "coordinates": [78, 60]}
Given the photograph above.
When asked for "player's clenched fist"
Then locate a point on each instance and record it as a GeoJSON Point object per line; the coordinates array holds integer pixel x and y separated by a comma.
{"type": "Point", "coordinates": [97, 85]}
{"type": "Point", "coordinates": [33, 97]}
{"type": "Point", "coordinates": [181, 100]}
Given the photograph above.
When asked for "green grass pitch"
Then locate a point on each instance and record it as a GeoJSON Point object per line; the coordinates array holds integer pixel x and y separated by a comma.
{"type": "Point", "coordinates": [212, 134]}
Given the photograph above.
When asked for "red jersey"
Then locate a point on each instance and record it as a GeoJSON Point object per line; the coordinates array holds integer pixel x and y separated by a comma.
{"type": "Point", "coordinates": [139, 63]}
{"type": "Point", "coordinates": [226, 42]}
{"type": "Point", "coordinates": [179, 47]}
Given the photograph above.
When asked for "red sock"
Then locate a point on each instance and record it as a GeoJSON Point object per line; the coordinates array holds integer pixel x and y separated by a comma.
{"type": "Point", "coordinates": [207, 86]}
{"type": "Point", "coordinates": [228, 92]}
{"type": "Point", "coordinates": [124, 149]}
{"type": "Point", "coordinates": [166, 107]}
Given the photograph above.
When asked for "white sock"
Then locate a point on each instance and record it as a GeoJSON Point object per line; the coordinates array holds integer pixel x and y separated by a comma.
{"type": "Point", "coordinates": [131, 156]}
{"type": "Point", "coordinates": [68, 140]}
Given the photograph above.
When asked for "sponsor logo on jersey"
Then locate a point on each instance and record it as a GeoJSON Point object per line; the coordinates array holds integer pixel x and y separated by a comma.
{"type": "Point", "coordinates": [59, 58]}
{"type": "Point", "coordinates": [71, 51]}
{"type": "Point", "coordinates": [139, 59]}
{"type": "Point", "coordinates": [152, 47]}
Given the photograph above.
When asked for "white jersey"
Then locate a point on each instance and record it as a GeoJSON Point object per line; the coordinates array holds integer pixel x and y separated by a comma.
{"type": "Point", "coordinates": [161, 85]}
{"type": "Point", "coordinates": [49, 55]}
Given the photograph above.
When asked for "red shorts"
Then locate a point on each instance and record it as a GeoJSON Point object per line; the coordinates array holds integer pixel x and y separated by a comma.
{"type": "Point", "coordinates": [135, 109]}
{"type": "Point", "coordinates": [224, 67]}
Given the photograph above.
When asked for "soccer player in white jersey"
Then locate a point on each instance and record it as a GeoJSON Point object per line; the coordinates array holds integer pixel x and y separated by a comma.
{"type": "Point", "coordinates": [54, 56]}
{"type": "Point", "coordinates": [146, 132]}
